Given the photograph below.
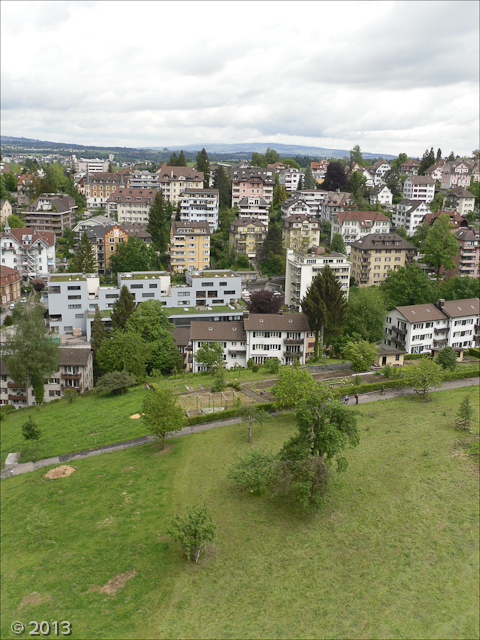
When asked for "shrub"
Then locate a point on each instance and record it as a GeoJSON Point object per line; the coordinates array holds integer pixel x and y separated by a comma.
{"type": "Point", "coordinates": [234, 384]}
{"type": "Point", "coordinates": [6, 408]}
{"type": "Point", "coordinates": [253, 471]}
{"type": "Point", "coordinates": [193, 531]}
{"type": "Point", "coordinates": [447, 358]}
{"type": "Point", "coordinates": [70, 395]}
{"type": "Point", "coordinates": [475, 353]}
{"type": "Point", "coordinates": [272, 365]}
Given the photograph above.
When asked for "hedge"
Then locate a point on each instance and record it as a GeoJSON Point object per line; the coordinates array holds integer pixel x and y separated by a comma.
{"type": "Point", "coordinates": [227, 413]}
{"type": "Point", "coordinates": [415, 356]}
{"type": "Point", "coordinates": [474, 352]}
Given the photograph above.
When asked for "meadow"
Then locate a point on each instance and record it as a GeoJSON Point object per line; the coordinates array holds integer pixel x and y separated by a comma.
{"type": "Point", "coordinates": [392, 554]}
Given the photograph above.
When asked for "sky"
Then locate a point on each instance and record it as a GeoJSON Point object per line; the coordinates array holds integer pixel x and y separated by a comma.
{"type": "Point", "coordinates": [392, 77]}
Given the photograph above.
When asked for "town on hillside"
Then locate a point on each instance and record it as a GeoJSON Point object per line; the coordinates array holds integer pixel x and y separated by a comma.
{"type": "Point", "coordinates": [272, 258]}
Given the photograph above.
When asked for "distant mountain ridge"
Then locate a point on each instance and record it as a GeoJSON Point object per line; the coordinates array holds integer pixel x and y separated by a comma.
{"type": "Point", "coordinates": [243, 149]}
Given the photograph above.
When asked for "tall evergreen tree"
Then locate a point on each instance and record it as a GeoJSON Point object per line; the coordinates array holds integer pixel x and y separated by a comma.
{"type": "Point", "coordinates": [439, 155]}
{"type": "Point", "coordinates": [158, 225]}
{"type": "Point", "coordinates": [427, 160]}
{"type": "Point", "coordinates": [273, 254]}
{"type": "Point", "coordinates": [338, 243]}
{"type": "Point", "coordinates": [122, 309]}
{"type": "Point", "coordinates": [173, 162]}
{"type": "Point", "coordinates": [84, 259]}
{"type": "Point", "coordinates": [182, 162]}
{"type": "Point", "coordinates": [335, 177]}
{"type": "Point", "coordinates": [98, 335]}
{"type": "Point", "coordinates": [203, 164]}
{"type": "Point", "coordinates": [309, 181]}
{"type": "Point", "coordinates": [325, 307]}
{"type": "Point", "coordinates": [221, 181]}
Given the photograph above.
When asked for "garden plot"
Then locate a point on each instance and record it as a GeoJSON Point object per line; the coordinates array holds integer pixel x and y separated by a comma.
{"type": "Point", "coordinates": [196, 404]}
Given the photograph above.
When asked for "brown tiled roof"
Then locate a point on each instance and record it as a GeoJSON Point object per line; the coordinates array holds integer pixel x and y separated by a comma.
{"type": "Point", "coordinates": [103, 175]}
{"type": "Point", "coordinates": [61, 201]}
{"type": "Point", "coordinates": [217, 331]}
{"type": "Point", "coordinates": [421, 312]}
{"type": "Point", "coordinates": [195, 226]}
{"type": "Point", "coordinates": [48, 237]}
{"type": "Point", "coordinates": [181, 336]}
{"type": "Point", "coordinates": [78, 356]}
{"type": "Point", "coordinates": [167, 173]}
{"type": "Point", "coordinates": [300, 217]}
{"type": "Point", "coordinates": [244, 222]}
{"type": "Point", "coordinates": [455, 217]}
{"type": "Point", "coordinates": [8, 271]}
{"type": "Point", "coordinates": [361, 216]}
{"type": "Point", "coordinates": [134, 193]}
{"type": "Point", "coordinates": [421, 180]}
{"type": "Point", "coordinates": [368, 242]}
{"type": "Point", "coordinates": [276, 322]}
{"type": "Point", "coordinates": [459, 192]}
{"type": "Point", "coordinates": [460, 308]}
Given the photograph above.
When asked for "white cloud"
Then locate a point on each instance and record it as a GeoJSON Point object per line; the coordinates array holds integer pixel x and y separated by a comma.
{"type": "Point", "coordinates": [391, 76]}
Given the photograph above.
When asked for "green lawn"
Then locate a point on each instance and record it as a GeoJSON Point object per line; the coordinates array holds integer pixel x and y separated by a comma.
{"type": "Point", "coordinates": [393, 553]}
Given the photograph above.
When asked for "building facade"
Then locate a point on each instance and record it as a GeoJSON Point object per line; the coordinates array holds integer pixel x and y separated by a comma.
{"type": "Point", "coordinates": [410, 214]}
{"type": "Point", "coordinates": [189, 247]}
{"type": "Point", "coordinates": [200, 205]}
{"type": "Point", "coordinates": [375, 255]}
{"type": "Point", "coordinates": [301, 232]}
{"type": "Point", "coordinates": [353, 225]}
{"type": "Point", "coordinates": [252, 181]}
{"type": "Point", "coordinates": [174, 180]}
{"type": "Point", "coordinates": [99, 186]}
{"type": "Point", "coordinates": [51, 212]}
{"type": "Point", "coordinates": [246, 236]}
{"type": "Point", "coordinates": [130, 206]}
{"type": "Point", "coordinates": [419, 188]}
{"type": "Point", "coordinates": [10, 285]}
{"type": "Point", "coordinates": [31, 253]}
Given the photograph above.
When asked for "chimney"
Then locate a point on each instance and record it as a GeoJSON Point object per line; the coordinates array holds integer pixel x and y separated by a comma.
{"type": "Point", "coordinates": [246, 315]}
{"type": "Point", "coordinates": [280, 312]}
{"type": "Point", "coordinates": [441, 303]}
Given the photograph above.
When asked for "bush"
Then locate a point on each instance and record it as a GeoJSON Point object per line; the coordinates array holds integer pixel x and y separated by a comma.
{"type": "Point", "coordinates": [447, 358]}
{"type": "Point", "coordinates": [193, 531]}
{"type": "Point", "coordinates": [475, 353]}
{"type": "Point", "coordinates": [234, 384]}
{"type": "Point", "coordinates": [5, 409]}
{"type": "Point", "coordinates": [414, 356]}
{"type": "Point", "coordinates": [254, 471]}
{"type": "Point", "coordinates": [70, 395]}
{"type": "Point", "coordinates": [250, 363]}
{"type": "Point", "coordinates": [228, 413]}
{"type": "Point", "coordinates": [272, 365]}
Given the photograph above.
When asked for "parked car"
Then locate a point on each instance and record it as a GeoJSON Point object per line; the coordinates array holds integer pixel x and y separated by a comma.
{"type": "Point", "coordinates": [12, 306]}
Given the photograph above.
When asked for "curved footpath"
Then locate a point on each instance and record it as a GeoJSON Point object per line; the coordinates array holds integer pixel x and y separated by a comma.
{"type": "Point", "coordinates": [371, 396]}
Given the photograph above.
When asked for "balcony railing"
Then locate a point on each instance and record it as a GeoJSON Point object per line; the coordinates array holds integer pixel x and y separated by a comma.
{"type": "Point", "coordinates": [71, 376]}
{"type": "Point", "coordinates": [18, 398]}
{"type": "Point", "coordinates": [14, 385]}
{"type": "Point", "coordinates": [293, 341]}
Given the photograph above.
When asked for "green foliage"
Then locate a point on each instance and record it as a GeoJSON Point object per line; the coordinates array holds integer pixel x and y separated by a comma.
{"type": "Point", "coordinates": [203, 165]}
{"type": "Point", "coordinates": [458, 288]}
{"type": "Point", "coordinates": [158, 224]}
{"type": "Point", "coordinates": [424, 376]}
{"type": "Point", "coordinates": [427, 160]}
{"type": "Point", "coordinates": [15, 222]}
{"type": "Point", "coordinates": [116, 382]}
{"type": "Point", "coordinates": [122, 309]}
{"type": "Point", "coordinates": [407, 286]}
{"type": "Point", "coordinates": [335, 177]}
{"type": "Point", "coordinates": [209, 355]}
{"type": "Point", "coordinates": [162, 413]}
{"type": "Point", "coordinates": [272, 365]}
{"type": "Point", "coordinates": [253, 471]}
{"type": "Point", "coordinates": [292, 385]}
{"type": "Point", "coordinates": [133, 255]}
{"type": "Point", "coordinates": [361, 354]}
{"type": "Point", "coordinates": [440, 245]}
{"type": "Point", "coordinates": [264, 301]}
{"type": "Point", "coordinates": [30, 354]}
{"type": "Point", "coordinates": [310, 182]}
{"type": "Point", "coordinates": [31, 431]}
{"type": "Point", "coordinates": [464, 415]}
{"type": "Point", "coordinates": [193, 531]}
{"type": "Point", "coordinates": [123, 351]}
{"type": "Point", "coordinates": [221, 181]}
{"type": "Point", "coordinates": [98, 335]}
{"type": "Point", "coordinates": [475, 353]}
{"type": "Point", "coordinates": [325, 307]}
{"type": "Point", "coordinates": [337, 244]}
{"type": "Point", "coordinates": [70, 395]}
{"type": "Point", "coordinates": [447, 358]}
{"type": "Point", "coordinates": [219, 379]}
{"type": "Point", "coordinates": [84, 259]}
{"type": "Point", "coordinates": [357, 186]}
{"type": "Point", "coordinates": [273, 254]}
{"type": "Point", "coordinates": [252, 414]}
{"type": "Point", "coordinates": [366, 314]}
{"type": "Point", "coordinates": [8, 321]}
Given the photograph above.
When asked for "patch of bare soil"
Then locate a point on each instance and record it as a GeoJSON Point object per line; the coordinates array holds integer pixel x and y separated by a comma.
{"type": "Point", "coordinates": [162, 451]}
{"type": "Point", "coordinates": [136, 416]}
{"type": "Point", "coordinates": [34, 599]}
{"type": "Point", "coordinates": [60, 472]}
{"type": "Point", "coordinates": [115, 584]}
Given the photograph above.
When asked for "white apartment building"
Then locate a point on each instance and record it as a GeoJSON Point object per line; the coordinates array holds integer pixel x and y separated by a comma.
{"type": "Point", "coordinates": [131, 206]}
{"type": "Point", "coordinates": [200, 205]}
{"type": "Point", "coordinates": [353, 225]}
{"type": "Point", "coordinates": [283, 336]}
{"type": "Point", "coordinates": [301, 269]}
{"type": "Point", "coordinates": [423, 327]}
{"type": "Point", "coordinates": [410, 214]}
{"type": "Point", "coordinates": [254, 207]}
{"type": "Point", "coordinates": [90, 165]}
{"type": "Point", "coordinates": [381, 195]}
{"type": "Point", "coordinates": [419, 188]}
{"type": "Point", "coordinates": [143, 180]}
{"type": "Point", "coordinates": [230, 335]}
{"type": "Point", "coordinates": [289, 178]}
{"type": "Point", "coordinates": [30, 252]}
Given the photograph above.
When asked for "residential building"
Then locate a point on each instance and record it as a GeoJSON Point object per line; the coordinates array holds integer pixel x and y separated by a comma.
{"type": "Point", "coordinates": [254, 207]}
{"type": "Point", "coordinates": [467, 259]}
{"type": "Point", "coordinates": [290, 178]}
{"type": "Point", "coordinates": [99, 186]}
{"type": "Point", "coordinates": [301, 232]}
{"type": "Point", "coordinates": [409, 167]}
{"type": "Point", "coordinates": [200, 205]}
{"type": "Point", "coordinates": [143, 180]}
{"type": "Point", "coordinates": [10, 285]}
{"type": "Point", "coordinates": [75, 372]}
{"type": "Point", "coordinates": [380, 168]}
{"type": "Point", "coordinates": [435, 171]}
{"type": "Point", "coordinates": [457, 174]}
{"type": "Point", "coordinates": [73, 298]}
{"type": "Point", "coordinates": [315, 199]}
{"type": "Point", "coordinates": [297, 206]}
{"type": "Point", "coordinates": [456, 220]}
{"type": "Point", "coordinates": [130, 206]}
{"type": "Point", "coordinates": [105, 239]}
{"type": "Point", "coordinates": [88, 225]}
{"type": "Point", "coordinates": [52, 212]}
{"type": "Point", "coordinates": [381, 195]}
{"type": "Point", "coordinates": [246, 236]}
{"type": "Point", "coordinates": [353, 225]}
{"type": "Point", "coordinates": [174, 180]}
{"type": "Point", "coordinates": [32, 253]}
{"type": "Point", "coordinates": [189, 247]}
{"type": "Point", "coordinates": [301, 269]}
{"type": "Point", "coordinates": [419, 188]}
{"type": "Point", "coordinates": [230, 335]}
{"type": "Point", "coordinates": [90, 165]}
{"type": "Point", "coordinates": [369, 174]}
{"type": "Point", "coordinates": [25, 189]}
{"type": "Point", "coordinates": [252, 181]}
{"type": "Point", "coordinates": [373, 256]}
{"type": "Point", "coordinates": [5, 210]}
{"type": "Point", "coordinates": [422, 328]}
{"type": "Point", "coordinates": [460, 200]}
{"type": "Point", "coordinates": [282, 336]}
{"type": "Point", "coordinates": [319, 169]}
{"type": "Point", "coordinates": [410, 214]}
{"type": "Point", "coordinates": [336, 202]}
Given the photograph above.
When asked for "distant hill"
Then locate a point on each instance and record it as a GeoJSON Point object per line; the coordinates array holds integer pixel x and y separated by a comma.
{"type": "Point", "coordinates": [221, 151]}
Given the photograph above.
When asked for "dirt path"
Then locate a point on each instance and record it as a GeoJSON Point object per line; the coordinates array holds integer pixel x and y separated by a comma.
{"type": "Point", "coordinates": [372, 396]}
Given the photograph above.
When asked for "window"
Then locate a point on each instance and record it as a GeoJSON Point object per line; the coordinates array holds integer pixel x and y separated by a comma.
{"type": "Point", "coordinates": [74, 297]}
{"type": "Point", "coordinates": [136, 286]}
{"type": "Point", "coordinates": [152, 286]}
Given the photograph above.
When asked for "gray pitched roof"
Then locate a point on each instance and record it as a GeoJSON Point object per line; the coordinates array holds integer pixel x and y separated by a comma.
{"type": "Point", "coordinates": [275, 322]}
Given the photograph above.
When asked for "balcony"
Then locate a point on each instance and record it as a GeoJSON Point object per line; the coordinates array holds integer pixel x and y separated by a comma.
{"type": "Point", "coordinates": [71, 376]}
{"type": "Point", "coordinates": [14, 385]}
{"type": "Point", "coordinates": [65, 387]}
{"type": "Point", "coordinates": [288, 341]}
{"type": "Point", "coordinates": [402, 332]}
{"type": "Point", "coordinates": [237, 351]}
{"type": "Point", "coordinates": [440, 331]}
{"type": "Point", "coordinates": [288, 353]}
{"type": "Point", "coordinates": [17, 398]}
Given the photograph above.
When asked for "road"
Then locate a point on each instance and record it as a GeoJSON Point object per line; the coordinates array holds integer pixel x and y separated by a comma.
{"type": "Point", "coordinates": [372, 396]}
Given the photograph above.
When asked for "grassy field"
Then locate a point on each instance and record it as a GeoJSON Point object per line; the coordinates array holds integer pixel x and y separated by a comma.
{"type": "Point", "coordinates": [393, 554]}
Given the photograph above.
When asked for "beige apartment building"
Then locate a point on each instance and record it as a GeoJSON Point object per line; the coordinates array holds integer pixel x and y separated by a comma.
{"type": "Point", "coordinates": [301, 232]}
{"type": "Point", "coordinates": [373, 256]}
{"type": "Point", "coordinates": [189, 247]}
{"type": "Point", "coordinates": [173, 181]}
{"type": "Point", "coordinates": [246, 236]}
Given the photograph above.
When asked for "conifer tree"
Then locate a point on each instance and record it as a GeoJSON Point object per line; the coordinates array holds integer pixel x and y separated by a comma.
{"type": "Point", "coordinates": [203, 164]}
{"type": "Point", "coordinates": [338, 244]}
{"type": "Point", "coordinates": [309, 181]}
{"type": "Point", "coordinates": [182, 162]}
{"type": "Point", "coordinates": [273, 254]}
{"type": "Point", "coordinates": [158, 225]}
{"type": "Point", "coordinates": [98, 335]}
{"type": "Point", "coordinates": [325, 307]}
{"type": "Point", "coordinates": [84, 259]}
{"type": "Point", "coordinates": [221, 181]}
{"type": "Point", "coordinates": [173, 162]}
{"type": "Point", "coordinates": [122, 309]}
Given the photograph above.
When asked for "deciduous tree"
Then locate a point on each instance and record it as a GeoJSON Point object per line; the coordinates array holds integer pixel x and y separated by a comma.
{"type": "Point", "coordinates": [264, 301]}
{"type": "Point", "coordinates": [366, 314]}
{"type": "Point", "coordinates": [361, 354]}
{"type": "Point", "coordinates": [193, 531]}
{"type": "Point", "coordinates": [424, 376]}
{"type": "Point", "coordinates": [447, 358]}
{"type": "Point", "coordinates": [407, 286]}
{"type": "Point", "coordinates": [338, 244]}
{"type": "Point", "coordinates": [162, 413]}
{"type": "Point", "coordinates": [123, 351]}
{"type": "Point", "coordinates": [253, 471]}
{"type": "Point", "coordinates": [209, 355]}
{"type": "Point", "coordinates": [335, 177]}
{"type": "Point", "coordinates": [292, 385]}
{"type": "Point", "coordinates": [116, 382]}
{"type": "Point", "coordinates": [31, 431]}
{"type": "Point", "coordinates": [133, 255]}
{"type": "Point", "coordinates": [440, 246]}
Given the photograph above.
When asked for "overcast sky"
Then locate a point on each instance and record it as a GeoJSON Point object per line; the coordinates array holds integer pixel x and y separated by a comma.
{"type": "Point", "coordinates": [390, 76]}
